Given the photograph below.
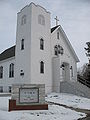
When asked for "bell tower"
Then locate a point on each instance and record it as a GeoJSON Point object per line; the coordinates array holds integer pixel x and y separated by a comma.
{"type": "Point", "coordinates": [33, 54]}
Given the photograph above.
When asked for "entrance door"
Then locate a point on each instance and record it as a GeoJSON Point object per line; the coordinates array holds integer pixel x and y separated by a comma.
{"type": "Point", "coordinates": [65, 72]}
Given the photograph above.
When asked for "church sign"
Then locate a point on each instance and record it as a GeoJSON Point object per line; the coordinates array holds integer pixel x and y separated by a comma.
{"type": "Point", "coordinates": [28, 95]}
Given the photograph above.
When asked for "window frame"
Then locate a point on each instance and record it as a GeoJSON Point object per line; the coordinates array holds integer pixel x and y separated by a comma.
{"type": "Point", "coordinates": [1, 72]}
{"type": "Point", "coordinates": [9, 89]}
{"type": "Point", "coordinates": [41, 19]}
{"type": "Point", "coordinates": [58, 35]}
{"type": "Point", "coordinates": [41, 44]}
{"type": "Point", "coordinates": [1, 89]}
{"type": "Point", "coordinates": [71, 71]}
{"type": "Point", "coordinates": [23, 20]}
{"type": "Point", "coordinates": [42, 67]}
{"type": "Point", "coordinates": [59, 49]}
{"type": "Point", "coordinates": [11, 70]}
{"type": "Point", "coordinates": [22, 44]}
{"type": "Point", "coordinates": [56, 50]}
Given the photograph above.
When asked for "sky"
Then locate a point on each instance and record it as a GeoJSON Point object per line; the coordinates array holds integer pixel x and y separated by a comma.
{"type": "Point", "coordinates": [73, 15]}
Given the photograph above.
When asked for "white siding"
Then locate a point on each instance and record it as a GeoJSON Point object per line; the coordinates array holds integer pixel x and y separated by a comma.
{"type": "Point", "coordinates": [29, 59]}
{"type": "Point", "coordinates": [67, 57]}
{"type": "Point", "coordinates": [6, 81]}
{"type": "Point", "coordinates": [37, 55]}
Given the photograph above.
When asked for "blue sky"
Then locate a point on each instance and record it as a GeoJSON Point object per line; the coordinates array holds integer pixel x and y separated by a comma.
{"type": "Point", "coordinates": [73, 15]}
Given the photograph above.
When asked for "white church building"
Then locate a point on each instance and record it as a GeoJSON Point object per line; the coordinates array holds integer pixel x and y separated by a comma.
{"type": "Point", "coordinates": [42, 55]}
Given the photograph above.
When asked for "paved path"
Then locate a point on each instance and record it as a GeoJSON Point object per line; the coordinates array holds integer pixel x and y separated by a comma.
{"type": "Point", "coordinates": [76, 109]}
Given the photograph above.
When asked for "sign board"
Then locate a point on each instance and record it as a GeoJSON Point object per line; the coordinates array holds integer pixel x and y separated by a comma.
{"type": "Point", "coordinates": [28, 95]}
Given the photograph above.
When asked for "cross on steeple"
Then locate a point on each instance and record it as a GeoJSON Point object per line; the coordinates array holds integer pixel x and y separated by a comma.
{"type": "Point", "coordinates": [56, 20]}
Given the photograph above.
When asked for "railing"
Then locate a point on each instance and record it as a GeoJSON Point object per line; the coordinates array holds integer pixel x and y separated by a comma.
{"type": "Point", "coordinates": [83, 81]}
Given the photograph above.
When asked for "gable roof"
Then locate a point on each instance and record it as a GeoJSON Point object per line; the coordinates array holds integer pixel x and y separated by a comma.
{"type": "Point", "coordinates": [52, 29]}
{"type": "Point", "coordinates": [67, 41]}
{"type": "Point", "coordinates": [8, 53]}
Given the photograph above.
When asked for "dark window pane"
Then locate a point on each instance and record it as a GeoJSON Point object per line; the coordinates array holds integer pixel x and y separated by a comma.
{"type": "Point", "coordinates": [41, 44]}
{"type": "Point", "coordinates": [11, 70]}
{"type": "Point", "coordinates": [57, 35]}
{"type": "Point", "coordinates": [41, 67]}
{"type": "Point", "coordinates": [9, 89]}
{"type": "Point", "coordinates": [22, 44]}
{"type": "Point", "coordinates": [1, 89]}
{"type": "Point", "coordinates": [1, 72]}
{"type": "Point", "coordinates": [56, 50]}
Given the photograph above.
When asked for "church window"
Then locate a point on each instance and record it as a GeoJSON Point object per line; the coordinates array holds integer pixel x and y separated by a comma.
{"type": "Point", "coordinates": [71, 71]}
{"type": "Point", "coordinates": [1, 72]}
{"type": "Point", "coordinates": [22, 73]}
{"type": "Point", "coordinates": [23, 20]}
{"type": "Point", "coordinates": [9, 89]}
{"type": "Point", "coordinates": [41, 19]}
{"type": "Point", "coordinates": [22, 44]}
{"type": "Point", "coordinates": [56, 50]}
{"type": "Point", "coordinates": [57, 35]}
{"type": "Point", "coordinates": [11, 70]}
{"type": "Point", "coordinates": [61, 50]}
{"type": "Point", "coordinates": [41, 67]}
{"type": "Point", "coordinates": [1, 88]}
{"type": "Point", "coordinates": [41, 44]}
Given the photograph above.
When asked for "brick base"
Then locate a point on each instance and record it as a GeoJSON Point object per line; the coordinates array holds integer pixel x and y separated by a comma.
{"type": "Point", "coordinates": [13, 106]}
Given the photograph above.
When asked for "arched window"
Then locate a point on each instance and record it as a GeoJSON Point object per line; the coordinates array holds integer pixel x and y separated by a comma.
{"type": "Point", "coordinates": [41, 44]}
{"type": "Point", "coordinates": [1, 72]}
{"type": "Point", "coordinates": [71, 68]}
{"type": "Point", "coordinates": [11, 70]}
{"type": "Point", "coordinates": [58, 35]}
{"type": "Point", "coordinates": [22, 44]}
{"type": "Point", "coordinates": [41, 19]}
{"type": "Point", "coordinates": [23, 20]}
{"type": "Point", "coordinates": [41, 67]}
{"type": "Point", "coordinates": [9, 89]}
{"type": "Point", "coordinates": [56, 50]}
{"type": "Point", "coordinates": [59, 49]}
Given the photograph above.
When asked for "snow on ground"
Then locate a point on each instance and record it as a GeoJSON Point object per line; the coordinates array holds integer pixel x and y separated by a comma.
{"type": "Point", "coordinates": [55, 112]}
{"type": "Point", "coordinates": [69, 100]}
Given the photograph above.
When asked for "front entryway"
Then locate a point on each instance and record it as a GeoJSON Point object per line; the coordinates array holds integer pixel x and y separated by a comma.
{"type": "Point", "coordinates": [65, 71]}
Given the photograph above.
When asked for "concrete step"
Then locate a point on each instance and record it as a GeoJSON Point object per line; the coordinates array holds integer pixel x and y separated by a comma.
{"type": "Point", "coordinates": [75, 88]}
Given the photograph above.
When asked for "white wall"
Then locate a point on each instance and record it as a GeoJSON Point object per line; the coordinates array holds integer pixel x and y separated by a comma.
{"type": "Point", "coordinates": [23, 56]}
{"type": "Point", "coordinates": [37, 55]}
{"type": "Point", "coordinates": [6, 81]}
{"type": "Point", "coordinates": [56, 74]}
{"type": "Point", "coordinates": [29, 59]}
{"type": "Point", "coordinates": [67, 57]}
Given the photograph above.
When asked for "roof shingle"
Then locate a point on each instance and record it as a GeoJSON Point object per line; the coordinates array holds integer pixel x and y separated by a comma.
{"type": "Point", "coordinates": [8, 53]}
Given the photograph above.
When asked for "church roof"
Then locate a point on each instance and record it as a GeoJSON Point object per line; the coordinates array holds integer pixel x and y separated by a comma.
{"type": "Point", "coordinates": [67, 41]}
{"type": "Point", "coordinates": [8, 53]}
{"type": "Point", "coordinates": [52, 29]}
